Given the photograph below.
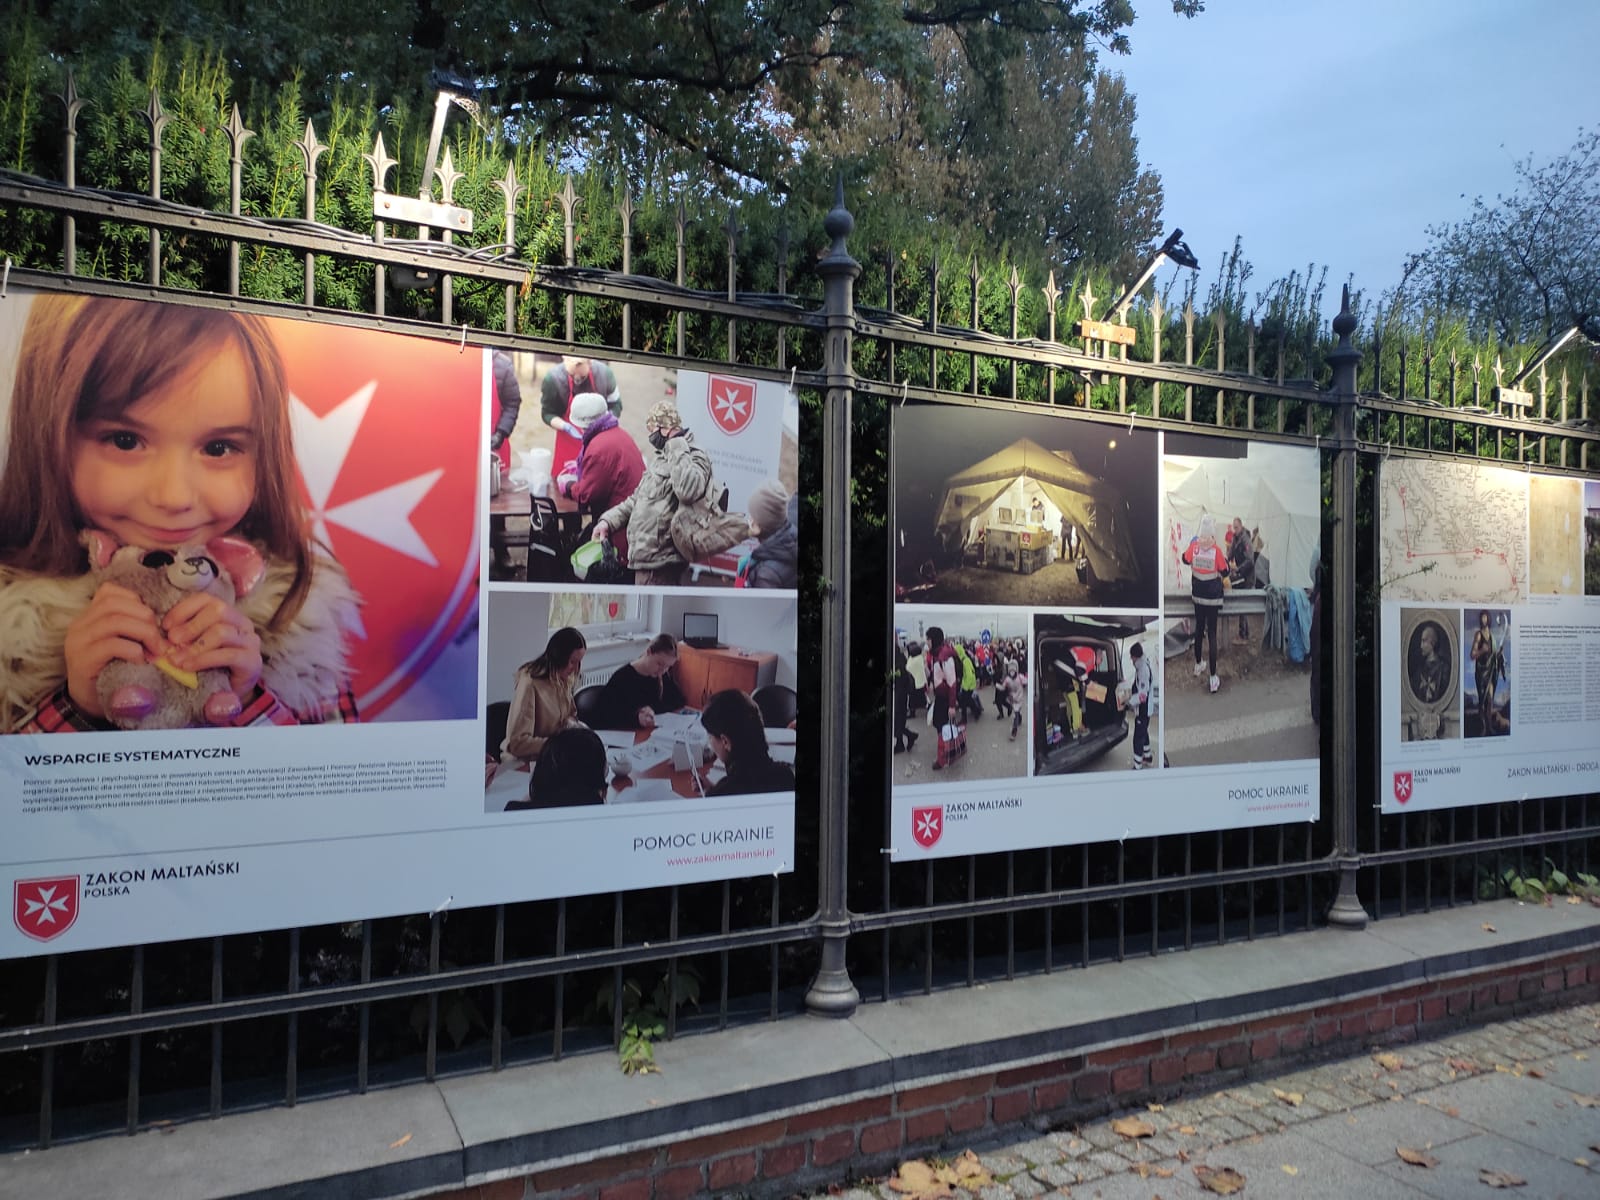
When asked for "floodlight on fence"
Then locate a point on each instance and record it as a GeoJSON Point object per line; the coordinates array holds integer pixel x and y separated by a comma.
{"type": "Point", "coordinates": [1175, 250]}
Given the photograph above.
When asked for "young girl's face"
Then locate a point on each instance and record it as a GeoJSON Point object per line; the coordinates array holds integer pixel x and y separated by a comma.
{"type": "Point", "coordinates": [177, 466]}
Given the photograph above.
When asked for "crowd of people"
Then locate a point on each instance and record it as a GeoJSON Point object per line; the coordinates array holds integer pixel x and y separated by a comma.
{"type": "Point", "coordinates": [660, 510]}
{"type": "Point", "coordinates": [947, 675]}
{"type": "Point", "coordinates": [567, 757]}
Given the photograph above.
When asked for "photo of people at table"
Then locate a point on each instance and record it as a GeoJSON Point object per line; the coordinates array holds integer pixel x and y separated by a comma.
{"type": "Point", "coordinates": [641, 475]}
{"type": "Point", "coordinates": [630, 697]}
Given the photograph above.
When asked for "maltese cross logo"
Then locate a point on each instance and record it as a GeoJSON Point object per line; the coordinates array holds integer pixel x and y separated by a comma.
{"type": "Point", "coordinates": [927, 824]}
{"type": "Point", "coordinates": [1402, 786]}
{"type": "Point", "coordinates": [732, 402]}
{"type": "Point", "coordinates": [44, 909]}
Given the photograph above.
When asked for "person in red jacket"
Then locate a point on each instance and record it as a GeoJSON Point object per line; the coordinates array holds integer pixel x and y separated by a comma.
{"type": "Point", "coordinates": [609, 465]}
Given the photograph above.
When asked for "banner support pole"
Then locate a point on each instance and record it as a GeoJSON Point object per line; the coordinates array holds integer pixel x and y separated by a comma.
{"type": "Point", "coordinates": [831, 993]}
{"type": "Point", "coordinates": [1346, 912]}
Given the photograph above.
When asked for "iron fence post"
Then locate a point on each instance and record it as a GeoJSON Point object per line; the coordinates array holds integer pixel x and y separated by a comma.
{"type": "Point", "coordinates": [831, 992]}
{"type": "Point", "coordinates": [1346, 912]}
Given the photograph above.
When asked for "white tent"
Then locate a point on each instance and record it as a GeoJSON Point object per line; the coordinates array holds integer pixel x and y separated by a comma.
{"type": "Point", "coordinates": [1001, 489]}
{"type": "Point", "coordinates": [1274, 489]}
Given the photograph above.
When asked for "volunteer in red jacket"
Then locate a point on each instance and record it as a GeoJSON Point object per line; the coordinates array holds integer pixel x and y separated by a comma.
{"type": "Point", "coordinates": [609, 465]}
{"type": "Point", "coordinates": [1208, 568]}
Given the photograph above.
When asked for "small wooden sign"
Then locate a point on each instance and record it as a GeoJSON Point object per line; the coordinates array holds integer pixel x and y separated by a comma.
{"type": "Point", "coordinates": [1105, 331]}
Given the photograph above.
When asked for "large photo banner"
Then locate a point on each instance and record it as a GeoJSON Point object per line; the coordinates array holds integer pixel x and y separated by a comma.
{"type": "Point", "coordinates": [1097, 635]}
{"type": "Point", "coordinates": [1489, 631]}
{"type": "Point", "coordinates": [241, 561]}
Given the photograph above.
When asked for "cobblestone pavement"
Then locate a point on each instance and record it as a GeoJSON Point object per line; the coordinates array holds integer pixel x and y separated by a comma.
{"type": "Point", "coordinates": [1519, 1097]}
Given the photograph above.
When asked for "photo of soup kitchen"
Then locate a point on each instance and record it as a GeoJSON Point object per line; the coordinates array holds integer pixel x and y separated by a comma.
{"type": "Point", "coordinates": [618, 474]}
{"type": "Point", "coordinates": [629, 697]}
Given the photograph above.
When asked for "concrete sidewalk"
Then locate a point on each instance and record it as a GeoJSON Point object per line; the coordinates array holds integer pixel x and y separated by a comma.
{"type": "Point", "coordinates": [1520, 1097]}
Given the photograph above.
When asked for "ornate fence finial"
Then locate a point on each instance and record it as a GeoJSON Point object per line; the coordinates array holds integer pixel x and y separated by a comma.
{"type": "Point", "coordinates": [511, 189]}
{"type": "Point", "coordinates": [625, 210]}
{"type": "Point", "coordinates": [381, 164]}
{"type": "Point", "coordinates": [72, 102]}
{"type": "Point", "coordinates": [568, 195]}
{"type": "Point", "coordinates": [238, 135]}
{"type": "Point", "coordinates": [838, 225]}
{"type": "Point", "coordinates": [157, 117]}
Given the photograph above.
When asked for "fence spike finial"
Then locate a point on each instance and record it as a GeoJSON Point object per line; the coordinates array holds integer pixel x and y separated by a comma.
{"type": "Point", "coordinates": [448, 177]}
{"type": "Point", "coordinates": [71, 101]}
{"type": "Point", "coordinates": [157, 116]}
{"type": "Point", "coordinates": [311, 148]}
{"type": "Point", "coordinates": [381, 163]}
{"type": "Point", "coordinates": [234, 127]}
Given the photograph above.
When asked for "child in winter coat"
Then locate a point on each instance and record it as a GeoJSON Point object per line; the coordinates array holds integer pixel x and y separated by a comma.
{"type": "Point", "coordinates": [160, 426]}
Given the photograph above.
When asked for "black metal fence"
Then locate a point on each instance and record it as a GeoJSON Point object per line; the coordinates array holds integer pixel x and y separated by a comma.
{"type": "Point", "coordinates": [240, 1021]}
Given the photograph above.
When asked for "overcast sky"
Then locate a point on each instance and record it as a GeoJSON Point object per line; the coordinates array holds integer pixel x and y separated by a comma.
{"type": "Point", "coordinates": [1336, 133]}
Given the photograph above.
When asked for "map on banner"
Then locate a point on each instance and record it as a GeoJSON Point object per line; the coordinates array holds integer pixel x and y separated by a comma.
{"type": "Point", "coordinates": [1443, 542]}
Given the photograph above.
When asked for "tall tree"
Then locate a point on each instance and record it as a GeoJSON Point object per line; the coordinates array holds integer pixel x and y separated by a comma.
{"type": "Point", "coordinates": [1525, 265]}
{"type": "Point", "coordinates": [1037, 149]}
{"type": "Point", "coordinates": [727, 82]}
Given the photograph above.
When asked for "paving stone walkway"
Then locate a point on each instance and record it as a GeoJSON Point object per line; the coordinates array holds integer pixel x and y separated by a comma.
{"type": "Point", "coordinates": [1519, 1097]}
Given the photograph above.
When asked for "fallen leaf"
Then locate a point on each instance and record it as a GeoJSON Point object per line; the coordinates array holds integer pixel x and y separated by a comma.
{"type": "Point", "coordinates": [395, 1145]}
{"type": "Point", "coordinates": [1189, 1129]}
{"type": "Point", "coordinates": [1162, 1172]}
{"type": "Point", "coordinates": [1535, 1073]}
{"type": "Point", "coordinates": [1392, 1085]}
{"type": "Point", "coordinates": [1452, 1111]}
{"type": "Point", "coordinates": [1224, 1181]}
{"type": "Point", "coordinates": [1587, 1101]}
{"type": "Point", "coordinates": [1488, 928]}
{"type": "Point", "coordinates": [1388, 1061]}
{"type": "Point", "coordinates": [1465, 1065]}
{"type": "Point", "coordinates": [1142, 1169]}
{"type": "Point", "coordinates": [1156, 1107]}
{"type": "Point", "coordinates": [1582, 1162]}
{"type": "Point", "coordinates": [970, 1173]}
{"type": "Point", "coordinates": [1183, 1156]}
{"type": "Point", "coordinates": [919, 1179]}
{"type": "Point", "coordinates": [1581, 1057]}
{"type": "Point", "coordinates": [1288, 1170]}
{"type": "Point", "coordinates": [1417, 1158]}
{"type": "Point", "coordinates": [1292, 1099]}
{"type": "Point", "coordinates": [1132, 1127]}
{"type": "Point", "coordinates": [1499, 1179]}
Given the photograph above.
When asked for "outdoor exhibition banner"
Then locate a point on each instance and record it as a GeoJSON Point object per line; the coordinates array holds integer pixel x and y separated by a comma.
{"type": "Point", "coordinates": [1490, 635]}
{"type": "Point", "coordinates": [1060, 574]}
{"type": "Point", "coordinates": [242, 562]}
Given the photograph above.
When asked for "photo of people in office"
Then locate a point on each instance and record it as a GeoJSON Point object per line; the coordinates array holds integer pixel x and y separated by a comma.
{"type": "Point", "coordinates": [641, 476]}
{"type": "Point", "coordinates": [631, 697]}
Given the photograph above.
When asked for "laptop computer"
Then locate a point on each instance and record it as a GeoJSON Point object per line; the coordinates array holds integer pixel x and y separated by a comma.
{"type": "Point", "coordinates": [700, 631]}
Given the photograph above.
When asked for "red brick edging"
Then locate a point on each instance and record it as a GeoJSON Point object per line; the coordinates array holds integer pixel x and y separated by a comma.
{"type": "Point", "coordinates": [783, 1154]}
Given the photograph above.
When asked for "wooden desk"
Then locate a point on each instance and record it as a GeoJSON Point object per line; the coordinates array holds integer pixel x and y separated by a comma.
{"type": "Point", "coordinates": [702, 674]}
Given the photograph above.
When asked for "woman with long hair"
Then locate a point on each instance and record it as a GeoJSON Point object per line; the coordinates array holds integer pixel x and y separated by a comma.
{"type": "Point", "coordinates": [733, 723]}
{"type": "Point", "coordinates": [639, 690]}
{"type": "Point", "coordinates": [543, 701]}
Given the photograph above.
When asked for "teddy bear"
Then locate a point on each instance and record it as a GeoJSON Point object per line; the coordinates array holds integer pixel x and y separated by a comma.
{"type": "Point", "coordinates": [158, 694]}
